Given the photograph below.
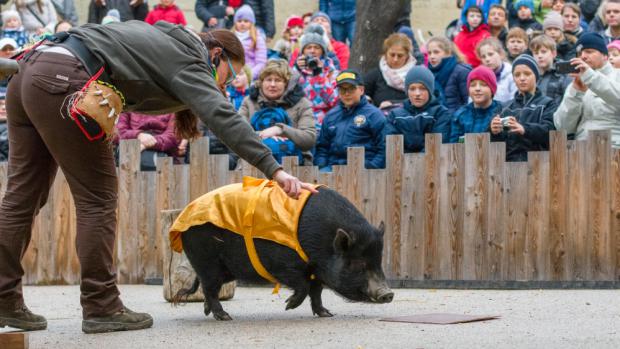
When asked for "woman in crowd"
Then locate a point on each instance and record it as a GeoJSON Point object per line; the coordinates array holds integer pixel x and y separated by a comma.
{"type": "Point", "coordinates": [277, 95]}
{"type": "Point", "coordinates": [385, 85]}
{"type": "Point", "coordinates": [445, 61]}
{"type": "Point", "coordinates": [571, 16]}
{"type": "Point", "coordinates": [38, 16]}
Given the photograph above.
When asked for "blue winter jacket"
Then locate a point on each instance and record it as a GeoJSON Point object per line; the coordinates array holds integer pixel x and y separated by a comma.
{"type": "Point", "coordinates": [454, 93]}
{"type": "Point", "coordinates": [339, 11]}
{"type": "Point", "coordinates": [361, 126]}
{"type": "Point", "coordinates": [469, 119]}
{"type": "Point", "coordinates": [414, 123]}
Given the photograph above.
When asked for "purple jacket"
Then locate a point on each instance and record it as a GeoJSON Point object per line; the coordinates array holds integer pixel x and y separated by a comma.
{"type": "Point", "coordinates": [255, 58]}
{"type": "Point", "coordinates": [160, 126]}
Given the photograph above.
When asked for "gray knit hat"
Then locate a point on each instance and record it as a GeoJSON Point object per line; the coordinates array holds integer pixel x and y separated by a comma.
{"type": "Point", "coordinates": [314, 34]}
{"type": "Point", "coordinates": [422, 75]}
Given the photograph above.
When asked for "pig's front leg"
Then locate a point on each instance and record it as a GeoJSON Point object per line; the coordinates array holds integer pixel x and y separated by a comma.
{"type": "Point", "coordinates": [315, 299]}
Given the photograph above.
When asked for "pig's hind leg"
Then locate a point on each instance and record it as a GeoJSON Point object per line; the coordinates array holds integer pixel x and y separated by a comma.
{"type": "Point", "coordinates": [316, 288]}
{"type": "Point", "coordinates": [202, 250]}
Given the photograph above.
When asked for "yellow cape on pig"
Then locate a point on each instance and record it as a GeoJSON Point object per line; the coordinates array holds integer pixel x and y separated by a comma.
{"type": "Point", "coordinates": [254, 209]}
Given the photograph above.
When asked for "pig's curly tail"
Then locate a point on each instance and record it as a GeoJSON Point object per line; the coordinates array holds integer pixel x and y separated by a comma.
{"type": "Point", "coordinates": [184, 293]}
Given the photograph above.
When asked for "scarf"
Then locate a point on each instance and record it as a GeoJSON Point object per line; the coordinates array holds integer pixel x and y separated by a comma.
{"type": "Point", "coordinates": [242, 36]}
{"type": "Point", "coordinates": [443, 70]}
{"type": "Point", "coordinates": [395, 78]}
{"type": "Point", "coordinates": [498, 72]}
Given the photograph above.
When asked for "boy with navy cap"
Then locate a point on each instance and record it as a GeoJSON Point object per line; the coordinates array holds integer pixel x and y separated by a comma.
{"type": "Point", "coordinates": [592, 101]}
{"type": "Point", "coordinates": [421, 113]}
{"type": "Point", "coordinates": [524, 124]}
{"type": "Point", "coordinates": [353, 122]}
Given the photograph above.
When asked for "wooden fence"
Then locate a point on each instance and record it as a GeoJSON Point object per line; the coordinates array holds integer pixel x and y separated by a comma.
{"type": "Point", "coordinates": [455, 212]}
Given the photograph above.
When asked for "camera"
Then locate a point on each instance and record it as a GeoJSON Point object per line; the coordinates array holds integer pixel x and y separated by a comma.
{"type": "Point", "coordinates": [313, 64]}
{"type": "Point", "coordinates": [565, 67]}
{"type": "Point", "coordinates": [505, 121]}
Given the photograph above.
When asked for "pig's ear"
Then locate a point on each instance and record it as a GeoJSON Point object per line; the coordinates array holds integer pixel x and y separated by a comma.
{"type": "Point", "coordinates": [343, 241]}
{"type": "Point", "coordinates": [381, 228]}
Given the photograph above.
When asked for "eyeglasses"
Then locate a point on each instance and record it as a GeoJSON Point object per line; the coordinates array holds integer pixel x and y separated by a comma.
{"type": "Point", "coordinates": [230, 79]}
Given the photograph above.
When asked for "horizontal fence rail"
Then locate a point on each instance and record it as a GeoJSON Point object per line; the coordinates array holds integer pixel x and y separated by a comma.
{"type": "Point", "coordinates": [455, 212]}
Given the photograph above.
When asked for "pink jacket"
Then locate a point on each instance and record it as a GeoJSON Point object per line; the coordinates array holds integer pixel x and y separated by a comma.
{"type": "Point", "coordinates": [130, 125]}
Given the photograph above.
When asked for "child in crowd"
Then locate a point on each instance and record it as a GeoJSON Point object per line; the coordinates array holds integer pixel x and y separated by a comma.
{"type": "Point", "coordinates": [525, 17]}
{"type": "Point", "coordinates": [614, 53]}
{"type": "Point", "coordinates": [471, 34]}
{"type": "Point", "coordinates": [516, 43]}
{"type": "Point", "coordinates": [318, 72]}
{"type": "Point", "coordinates": [12, 27]}
{"type": "Point", "coordinates": [290, 37]}
{"type": "Point", "coordinates": [253, 40]}
{"type": "Point", "coordinates": [498, 18]}
{"type": "Point", "coordinates": [571, 16]}
{"type": "Point", "coordinates": [524, 124]}
{"type": "Point", "coordinates": [493, 56]}
{"type": "Point", "coordinates": [558, 6]}
{"type": "Point", "coordinates": [553, 27]}
{"type": "Point", "coordinates": [8, 47]}
{"type": "Point", "coordinates": [476, 116]}
{"type": "Point", "coordinates": [551, 83]}
{"type": "Point", "coordinates": [421, 113]}
{"type": "Point", "coordinates": [445, 62]}
{"type": "Point", "coordinates": [167, 11]}
{"type": "Point", "coordinates": [238, 89]}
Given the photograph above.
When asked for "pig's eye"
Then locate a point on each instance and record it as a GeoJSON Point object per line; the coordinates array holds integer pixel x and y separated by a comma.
{"type": "Point", "coordinates": [357, 265]}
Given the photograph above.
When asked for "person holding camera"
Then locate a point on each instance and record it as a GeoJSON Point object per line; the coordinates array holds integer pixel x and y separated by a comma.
{"type": "Point", "coordinates": [318, 72]}
{"type": "Point", "coordinates": [524, 124]}
{"type": "Point", "coordinates": [592, 102]}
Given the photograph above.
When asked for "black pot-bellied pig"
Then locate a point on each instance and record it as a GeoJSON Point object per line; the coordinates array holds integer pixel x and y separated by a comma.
{"type": "Point", "coordinates": [334, 245]}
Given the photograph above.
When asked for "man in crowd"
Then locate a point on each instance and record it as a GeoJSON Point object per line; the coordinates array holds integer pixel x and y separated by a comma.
{"type": "Point", "coordinates": [592, 102]}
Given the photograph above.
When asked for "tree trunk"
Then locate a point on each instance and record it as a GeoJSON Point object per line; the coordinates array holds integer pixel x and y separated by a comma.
{"type": "Point", "coordinates": [375, 21]}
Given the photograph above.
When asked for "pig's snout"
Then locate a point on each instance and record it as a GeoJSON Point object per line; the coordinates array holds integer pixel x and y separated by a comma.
{"type": "Point", "coordinates": [384, 295]}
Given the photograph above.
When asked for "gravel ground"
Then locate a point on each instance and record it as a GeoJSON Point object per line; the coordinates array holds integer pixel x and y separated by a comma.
{"type": "Point", "coordinates": [529, 319]}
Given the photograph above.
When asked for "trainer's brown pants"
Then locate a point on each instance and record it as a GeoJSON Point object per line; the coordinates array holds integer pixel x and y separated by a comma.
{"type": "Point", "coordinates": [41, 139]}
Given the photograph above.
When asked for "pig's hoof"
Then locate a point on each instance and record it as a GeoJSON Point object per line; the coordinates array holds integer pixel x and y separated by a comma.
{"type": "Point", "coordinates": [294, 301]}
{"type": "Point", "coordinates": [207, 310]}
{"type": "Point", "coordinates": [322, 312]}
{"type": "Point", "coordinates": [221, 316]}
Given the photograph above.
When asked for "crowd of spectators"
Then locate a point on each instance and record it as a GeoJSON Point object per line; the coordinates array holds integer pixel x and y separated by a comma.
{"type": "Point", "coordinates": [514, 69]}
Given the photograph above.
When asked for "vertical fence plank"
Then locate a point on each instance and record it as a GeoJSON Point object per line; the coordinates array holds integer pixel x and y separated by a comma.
{"type": "Point", "coordinates": [218, 172]}
{"type": "Point", "coordinates": [599, 163]}
{"type": "Point", "coordinates": [309, 174]}
{"type": "Point", "coordinates": [65, 256]}
{"type": "Point", "coordinates": [412, 216]}
{"type": "Point", "coordinates": [180, 186]}
{"type": "Point", "coordinates": [354, 171]}
{"type": "Point", "coordinates": [431, 204]}
{"type": "Point", "coordinates": [615, 212]}
{"type": "Point", "coordinates": [578, 179]}
{"type": "Point", "coordinates": [129, 185]}
{"type": "Point", "coordinates": [451, 190]}
{"type": "Point", "coordinates": [536, 237]}
{"type": "Point", "coordinates": [164, 183]}
{"type": "Point", "coordinates": [199, 168]}
{"type": "Point", "coordinates": [148, 234]}
{"type": "Point", "coordinates": [393, 195]}
{"type": "Point", "coordinates": [496, 222]}
{"type": "Point", "coordinates": [476, 196]}
{"type": "Point", "coordinates": [515, 210]}
{"type": "Point", "coordinates": [558, 206]}
{"type": "Point", "coordinates": [327, 178]}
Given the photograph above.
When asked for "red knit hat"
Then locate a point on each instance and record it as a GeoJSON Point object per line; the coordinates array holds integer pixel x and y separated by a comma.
{"type": "Point", "coordinates": [294, 21]}
{"type": "Point", "coordinates": [484, 74]}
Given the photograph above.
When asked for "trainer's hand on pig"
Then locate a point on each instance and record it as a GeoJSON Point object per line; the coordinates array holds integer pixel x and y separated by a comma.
{"type": "Point", "coordinates": [291, 185]}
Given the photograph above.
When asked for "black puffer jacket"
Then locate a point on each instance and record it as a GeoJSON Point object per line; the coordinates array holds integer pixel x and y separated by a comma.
{"type": "Point", "coordinates": [126, 11]}
{"type": "Point", "coordinates": [265, 18]}
{"type": "Point", "coordinates": [535, 113]}
{"type": "Point", "coordinates": [553, 85]}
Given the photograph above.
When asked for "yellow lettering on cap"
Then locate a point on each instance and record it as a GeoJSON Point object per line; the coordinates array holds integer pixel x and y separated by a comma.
{"type": "Point", "coordinates": [343, 76]}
